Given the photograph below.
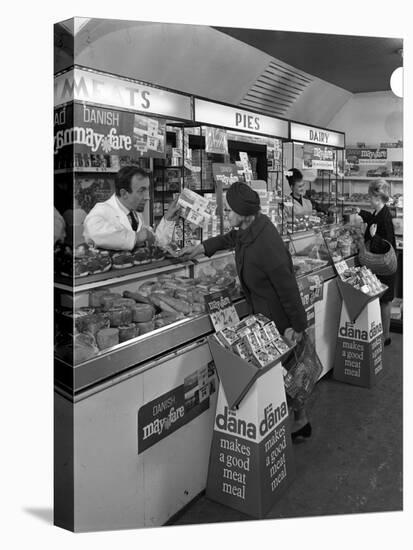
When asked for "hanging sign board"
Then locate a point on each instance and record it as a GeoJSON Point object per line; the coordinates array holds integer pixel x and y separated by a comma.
{"type": "Point", "coordinates": [224, 116]}
{"type": "Point", "coordinates": [318, 157]}
{"type": "Point", "coordinates": [114, 92]}
{"type": "Point", "coordinates": [319, 136]}
{"type": "Point", "coordinates": [366, 156]}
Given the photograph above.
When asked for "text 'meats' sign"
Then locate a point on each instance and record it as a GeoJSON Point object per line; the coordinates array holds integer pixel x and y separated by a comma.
{"type": "Point", "coordinates": [111, 91]}
{"type": "Point", "coordinates": [207, 112]}
{"type": "Point", "coordinates": [320, 136]}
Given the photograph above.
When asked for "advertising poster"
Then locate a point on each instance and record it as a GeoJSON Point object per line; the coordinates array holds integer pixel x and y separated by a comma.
{"type": "Point", "coordinates": [149, 135]}
{"type": "Point", "coordinates": [274, 154]}
{"type": "Point", "coordinates": [251, 460]}
{"type": "Point", "coordinates": [317, 157]}
{"type": "Point", "coordinates": [101, 131]}
{"type": "Point", "coordinates": [221, 310]}
{"type": "Point", "coordinates": [216, 141]}
{"type": "Point", "coordinates": [167, 413]}
{"type": "Point", "coordinates": [363, 156]}
{"type": "Point", "coordinates": [224, 173]}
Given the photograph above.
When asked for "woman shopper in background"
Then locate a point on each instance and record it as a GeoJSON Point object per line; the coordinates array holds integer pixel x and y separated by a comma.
{"type": "Point", "coordinates": [379, 229]}
{"type": "Point", "coordinates": [265, 270]}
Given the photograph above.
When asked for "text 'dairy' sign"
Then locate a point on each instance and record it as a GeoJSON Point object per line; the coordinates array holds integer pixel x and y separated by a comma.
{"type": "Point", "coordinates": [111, 91]}
{"type": "Point", "coordinates": [319, 136]}
{"type": "Point", "coordinates": [359, 347]}
{"type": "Point", "coordinates": [215, 114]}
{"type": "Point", "coordinates": [251, 455]}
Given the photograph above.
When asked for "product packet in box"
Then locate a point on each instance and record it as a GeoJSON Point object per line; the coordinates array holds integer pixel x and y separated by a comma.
{"type": "Point", "coordinates": [242, 351]}
{"type": "Point", "coordinates": [272, 351]}
{"type": "Point", "coordinates": [265, 336]}
{"type": "Point", "coordinates": [261, 319]}
{"type": "Point", "coordinates": [271, 331]}
{"type": "Point", "coordinates": [252, 342]}
{"type": "Point", "coordinates": [261, 357]}
{"type": "Point", "coordinates": [281, 346]}
{"type": "Point", "coordinates": [228, 337]}
{"type": "Point", "coordinates": [246, 322]}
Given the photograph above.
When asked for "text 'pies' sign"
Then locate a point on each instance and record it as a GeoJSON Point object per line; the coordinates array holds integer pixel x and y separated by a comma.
{"type": "Point", "coordinates": [225, 116]}
{"type": "Point", "coordinates": [110, 91]}
{"type": "Point", "coordinates": [319, 136]}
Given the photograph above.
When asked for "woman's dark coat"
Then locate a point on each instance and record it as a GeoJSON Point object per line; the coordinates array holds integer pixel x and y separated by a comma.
{"type": "Point", "coordinates": [385, 232]}
{"type": "Point", "coordinates": [266, 272]}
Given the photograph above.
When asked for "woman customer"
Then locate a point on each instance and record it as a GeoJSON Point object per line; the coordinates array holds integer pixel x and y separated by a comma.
{"type": "Point", "coordinates": [300, 205]}
{"type": "Point", "coordinates": [265, 270]}
{"type": "Point", "coordinates": [380, 229]}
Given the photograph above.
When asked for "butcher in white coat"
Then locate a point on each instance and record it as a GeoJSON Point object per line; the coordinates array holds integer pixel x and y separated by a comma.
{"type": "Point", "coordinates": [117, 224]}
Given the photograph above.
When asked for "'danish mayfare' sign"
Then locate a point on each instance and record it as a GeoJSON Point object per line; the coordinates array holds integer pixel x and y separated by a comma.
{"type": "Point", "coordinates": [225, 116]}
{"type": "Point", "coordinates": [110, 91]}
{"type": "Point", "coordinates": [320, 136]}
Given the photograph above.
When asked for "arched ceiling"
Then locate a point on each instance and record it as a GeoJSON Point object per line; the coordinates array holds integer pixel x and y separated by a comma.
{"type": "Point", "coordinates": [198, 60]}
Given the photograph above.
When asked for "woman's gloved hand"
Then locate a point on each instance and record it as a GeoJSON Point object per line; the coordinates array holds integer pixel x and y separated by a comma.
{"type": "Point", "coordinates": [292, 336]}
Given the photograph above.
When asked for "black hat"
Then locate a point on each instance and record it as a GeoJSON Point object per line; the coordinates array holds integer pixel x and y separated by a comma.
{"type": "Point", "coordinates": [242, 199]}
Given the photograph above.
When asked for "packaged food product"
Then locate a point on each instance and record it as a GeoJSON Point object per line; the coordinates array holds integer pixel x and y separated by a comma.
{"type": "Point", "coordinates": [252, 342]}
{"type": "Point", "coordinates": [227, 337]}
{"type": "Point", "coordinates": [107, 337]}
{"type": "Point", "coordinates": [124, 302]}
{"type": "Point", "coordinates": [271, 331]}
{"type": "Point", "coordinates": [107, 300]}
{"type": "Point", "coordinates": [116, 316]}
{"type": "Point", "coordinates": [95, 297]}
{"type": "Point", "coordinates": [241, 349]}
{"type": "Point", "coordinates": [281, 346]}
{"type": "Point", "coordinates": [145, 327]}
{"type": "Point", "coordinates": [142, 313]}
{"type": "Point", "coordinates": [127, 332]}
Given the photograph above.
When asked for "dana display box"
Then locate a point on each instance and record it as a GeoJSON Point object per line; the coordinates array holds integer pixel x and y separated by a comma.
{"type": "Point", "coordinates": [251, 461]}
{"type": "Point", "coordinates": [359, 349]}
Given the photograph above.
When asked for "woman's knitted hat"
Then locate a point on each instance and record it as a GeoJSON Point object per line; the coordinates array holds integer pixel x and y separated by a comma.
{"type": "Point", "coordinates": [242, 199]}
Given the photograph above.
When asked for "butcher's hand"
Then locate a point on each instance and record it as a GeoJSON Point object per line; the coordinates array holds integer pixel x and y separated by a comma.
{"type": "Point", "coordinates": [190, 252]}
{"type": "Point", "coordinates": [172, 214]}
{"type": "Point", "coordinates": [373, 229]}
{"type": "Point", "coordinates": [142, 236]}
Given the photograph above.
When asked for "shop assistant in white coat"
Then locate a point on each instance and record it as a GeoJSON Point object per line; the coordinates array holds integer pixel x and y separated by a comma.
{"type": "Point", "coordinates": [301, 206]}
{"type": "Point", "coordinates": [116, 224]}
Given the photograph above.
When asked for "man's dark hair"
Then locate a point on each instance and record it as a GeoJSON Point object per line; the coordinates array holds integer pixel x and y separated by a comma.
{"type": "Point", "coordinates": [124, 177]}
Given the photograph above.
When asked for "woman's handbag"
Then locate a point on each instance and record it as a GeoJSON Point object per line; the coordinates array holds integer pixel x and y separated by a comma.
{"type": "Point", "coordinates": [380, 264]}
{"type": "Point", "coordinates": [303, 370]}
